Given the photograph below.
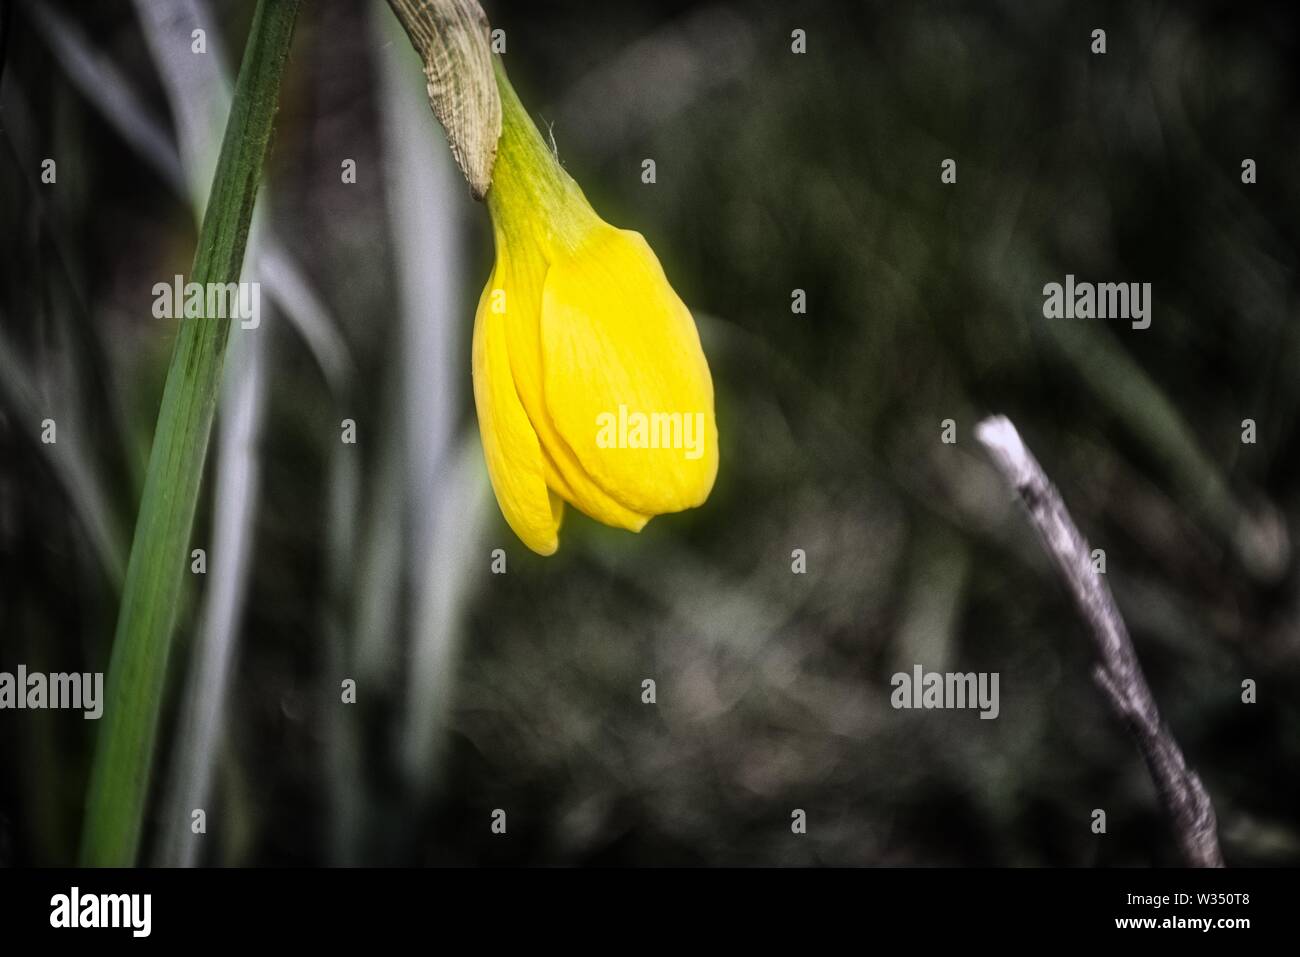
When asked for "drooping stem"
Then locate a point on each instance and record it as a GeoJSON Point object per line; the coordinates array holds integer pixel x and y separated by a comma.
{"type": "Point", "coordinates": [119, 782]}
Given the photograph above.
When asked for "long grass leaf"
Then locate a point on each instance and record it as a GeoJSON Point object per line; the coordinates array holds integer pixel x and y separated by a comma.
{"type": "Point", "coordinates": [119, 782]}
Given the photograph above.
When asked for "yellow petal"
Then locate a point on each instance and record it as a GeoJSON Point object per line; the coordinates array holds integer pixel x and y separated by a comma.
{"type": "Point", "coordinates": [526, 270]}
{"type": "Point", "coordinates": [510, 446]}
{"type": "Point", "coordinates": [574, 486]}
{"type": "Point", "coordinates": [617, 343]}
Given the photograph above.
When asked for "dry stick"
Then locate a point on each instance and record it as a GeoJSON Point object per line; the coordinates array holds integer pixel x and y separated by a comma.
{"type": "Point", "coordinates": [1118, 673]}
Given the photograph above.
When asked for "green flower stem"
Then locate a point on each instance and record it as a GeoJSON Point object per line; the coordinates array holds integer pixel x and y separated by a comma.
{"type": "Point", "coordinates": [529, 186]}
{"type": "Point", "coordinates": [119, 781]}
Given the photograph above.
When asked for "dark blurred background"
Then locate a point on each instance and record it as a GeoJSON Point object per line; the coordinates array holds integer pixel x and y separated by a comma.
{"type": "Point", "coordinates": [775, 172]}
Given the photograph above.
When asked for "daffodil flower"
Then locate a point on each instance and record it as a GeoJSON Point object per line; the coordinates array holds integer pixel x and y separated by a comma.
{"type": "Point", "coordinates": [589, 379]}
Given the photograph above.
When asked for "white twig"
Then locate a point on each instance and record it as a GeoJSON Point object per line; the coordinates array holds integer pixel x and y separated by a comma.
{"type": "Point", "coordinates": [1118, 672]}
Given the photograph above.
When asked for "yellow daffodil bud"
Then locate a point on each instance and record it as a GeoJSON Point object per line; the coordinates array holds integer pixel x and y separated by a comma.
{"type": "Point", "coordinates": [589, 379]}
